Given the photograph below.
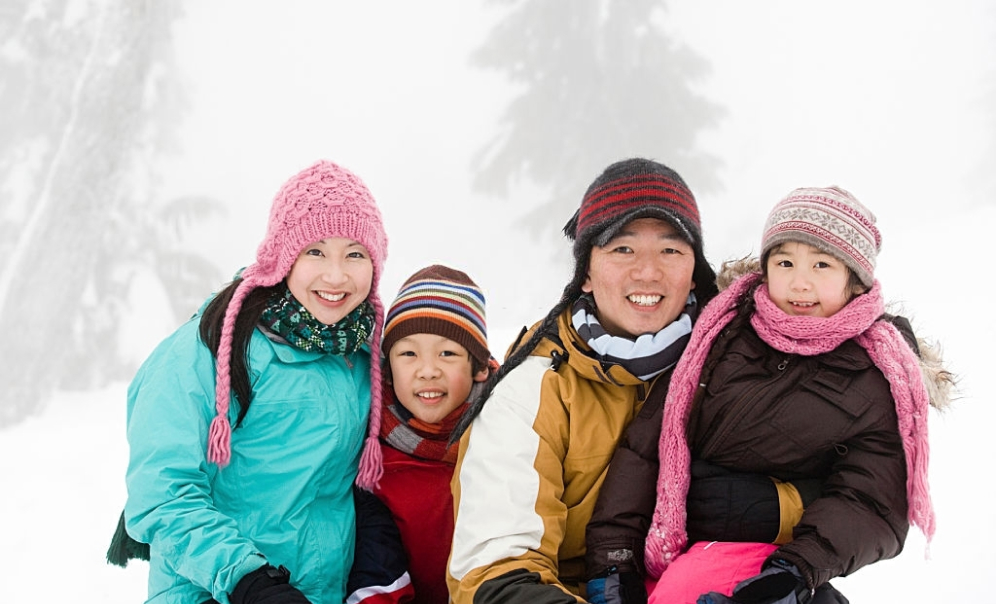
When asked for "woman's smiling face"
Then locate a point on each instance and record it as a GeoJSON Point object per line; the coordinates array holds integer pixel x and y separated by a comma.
{"type": "Point", "coordinates": [331, 278]}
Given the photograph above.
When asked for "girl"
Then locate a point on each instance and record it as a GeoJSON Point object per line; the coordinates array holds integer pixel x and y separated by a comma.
{"type": "Point", "coordinates": [796, 372]}
{"type": "Point", "coordinates": [251, 502]}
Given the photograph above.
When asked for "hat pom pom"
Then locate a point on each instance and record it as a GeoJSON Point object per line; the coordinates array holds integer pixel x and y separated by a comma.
{"type": "Point", "coordinates": [371, 465]}
{"type": "Point", "coordinates": [219, 441]}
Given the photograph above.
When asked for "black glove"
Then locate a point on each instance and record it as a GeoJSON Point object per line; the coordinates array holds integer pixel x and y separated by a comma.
{"type": "Point", "coordinates": [731, 506]}
{"type": "Point", "coordinates": [723, 505]}
{"type": "Point", "coordinates": [779, 583]}
{"type": "Point", "coordinates": [267, 585]}
{"type": "Point", "coordinates": [617, 588]}
{"type": "Point", "coordinates": [625, 588]}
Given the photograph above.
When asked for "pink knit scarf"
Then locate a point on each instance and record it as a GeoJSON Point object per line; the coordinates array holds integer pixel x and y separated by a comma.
{"type": "Point", "coordinates": [806, 336]}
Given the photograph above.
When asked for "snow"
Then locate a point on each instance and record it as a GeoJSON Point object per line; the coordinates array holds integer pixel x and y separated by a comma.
{"type": "Point", "coordinates": [886, 100]}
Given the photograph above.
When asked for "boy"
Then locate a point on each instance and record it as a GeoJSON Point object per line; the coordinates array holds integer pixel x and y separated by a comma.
{"type": "Point", "coordinates": [435, 344]}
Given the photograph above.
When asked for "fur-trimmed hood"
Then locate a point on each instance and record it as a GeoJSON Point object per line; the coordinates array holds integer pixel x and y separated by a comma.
{"type": "Point", "coordinates": [940, 383]}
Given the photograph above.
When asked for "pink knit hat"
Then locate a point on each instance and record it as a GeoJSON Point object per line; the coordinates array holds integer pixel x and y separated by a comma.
{"type": "Point", "coordinates": [321, 202]}
{"type": "Point", "coordinates": [831, 220]}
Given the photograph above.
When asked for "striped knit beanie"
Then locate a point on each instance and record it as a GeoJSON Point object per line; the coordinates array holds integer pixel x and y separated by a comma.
{"type": "Point", "coordinates": [831, 220]}
{"type": "Point", "coordinates": [320, 202]}
{"type": "Point", "coordinates": [441, 301]}
{"type": "Point", "coordinates": [639, 188]}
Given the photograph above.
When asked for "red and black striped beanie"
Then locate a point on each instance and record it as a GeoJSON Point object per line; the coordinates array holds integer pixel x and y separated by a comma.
{"type": "Point", "coordinates": [639, 188]}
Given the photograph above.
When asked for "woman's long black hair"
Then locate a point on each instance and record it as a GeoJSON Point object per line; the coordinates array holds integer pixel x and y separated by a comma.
{"type": "Point", "coordinates": [245, 322]}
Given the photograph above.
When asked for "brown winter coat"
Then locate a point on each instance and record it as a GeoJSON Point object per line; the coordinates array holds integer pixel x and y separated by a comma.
{"type": "Point", "coordinates": [826, 423]}
{"type": "Point", "coordinates": [829, 416]}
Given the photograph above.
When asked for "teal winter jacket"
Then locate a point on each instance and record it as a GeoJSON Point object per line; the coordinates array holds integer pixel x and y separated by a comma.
{"type": "Point", "coordinates": [284, 499]}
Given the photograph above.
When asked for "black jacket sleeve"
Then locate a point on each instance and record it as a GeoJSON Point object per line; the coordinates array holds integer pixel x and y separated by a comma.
{"type": "Point", "coordinates": [380, 567]}
{"type": "Point", "coordinates": [521, 586]}
{"type": "Point", "coordinates": [617, 531]}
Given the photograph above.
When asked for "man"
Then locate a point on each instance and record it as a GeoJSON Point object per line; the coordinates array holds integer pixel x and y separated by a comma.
{"type": "Point", "coordinates": [531, 464]}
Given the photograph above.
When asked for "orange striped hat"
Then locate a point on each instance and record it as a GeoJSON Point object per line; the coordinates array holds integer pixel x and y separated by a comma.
{"type": "Point", "coordinates": [441, 301]}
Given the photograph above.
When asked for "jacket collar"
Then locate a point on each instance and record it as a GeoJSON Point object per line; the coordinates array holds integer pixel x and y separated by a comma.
{"type": "Point", "coordinates": [581, 358]}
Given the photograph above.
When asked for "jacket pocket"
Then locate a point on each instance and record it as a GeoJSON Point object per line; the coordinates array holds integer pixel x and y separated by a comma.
{"type": "Point", "coordinates": [836, 388]}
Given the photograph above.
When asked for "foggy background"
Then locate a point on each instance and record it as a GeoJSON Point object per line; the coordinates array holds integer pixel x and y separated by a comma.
{"type": "Point", "coordinates": [141, 144]}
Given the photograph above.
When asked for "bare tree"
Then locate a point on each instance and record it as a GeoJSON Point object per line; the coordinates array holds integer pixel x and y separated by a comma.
{"type": "Point", "coordinates": [86, 104]}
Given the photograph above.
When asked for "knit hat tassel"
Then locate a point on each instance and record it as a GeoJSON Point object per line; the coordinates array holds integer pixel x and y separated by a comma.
{"type": "Point", "coordinates": [219, 441]}
{"type": "Point", "coordinates": [371, 461]}
{"type": "Point", "coordinates": [371, 465]}
{"type": "Point", "coordinates": [220, 433]}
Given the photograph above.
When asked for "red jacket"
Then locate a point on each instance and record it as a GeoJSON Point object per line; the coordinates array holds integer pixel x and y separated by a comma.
{"type": "Point", "coordinates": [417, 491]}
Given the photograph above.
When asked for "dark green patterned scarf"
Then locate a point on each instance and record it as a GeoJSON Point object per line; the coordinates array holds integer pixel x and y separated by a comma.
{"type": "Point", "coordinates": [290, 320]}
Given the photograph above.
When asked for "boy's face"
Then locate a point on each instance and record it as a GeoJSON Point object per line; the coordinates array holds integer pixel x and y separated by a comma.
{"type": "Point", "coordinates": [804, 281]}
{"type": "Point", "coordinates": [432, 375]}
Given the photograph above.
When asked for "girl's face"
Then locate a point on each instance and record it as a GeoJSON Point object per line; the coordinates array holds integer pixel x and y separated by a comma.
{"type": "Point", "coordinates": [804, 281]}
{"type": "Point", "coordinates": [331, 278]}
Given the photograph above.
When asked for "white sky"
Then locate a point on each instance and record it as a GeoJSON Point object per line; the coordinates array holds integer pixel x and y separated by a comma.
{"type": "Point", "coordinates": [886, 99]}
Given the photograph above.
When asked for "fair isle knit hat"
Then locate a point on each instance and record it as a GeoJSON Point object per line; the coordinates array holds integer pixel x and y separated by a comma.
{"type": "Point", "coordinates": [321, 202]}
{"type": "Point", "coordinates": [831, 220]}
{"type": "Point", "coordinates": [441, 301]}
{"type": "Point", "coordinates": [639, 188]}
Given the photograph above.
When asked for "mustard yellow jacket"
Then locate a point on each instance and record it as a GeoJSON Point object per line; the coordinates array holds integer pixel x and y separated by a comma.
{"type": "Point", "coordinates": [529, 471]}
